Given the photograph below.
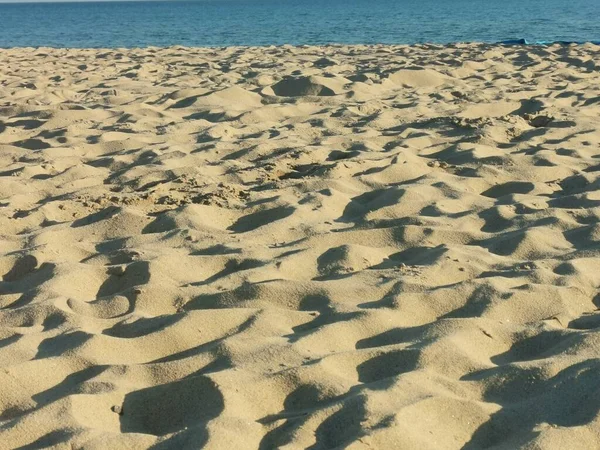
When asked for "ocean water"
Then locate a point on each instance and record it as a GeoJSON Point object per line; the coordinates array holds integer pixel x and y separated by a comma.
{"type": "Point", "coordinates": [276, 22]}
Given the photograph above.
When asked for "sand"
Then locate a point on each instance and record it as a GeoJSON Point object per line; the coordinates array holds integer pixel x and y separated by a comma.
{"type": "Point", "coordinates": [362, 247]}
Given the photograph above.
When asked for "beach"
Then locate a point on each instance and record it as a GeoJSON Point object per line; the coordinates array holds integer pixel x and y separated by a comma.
{"type": "Point", "coordinates": [362, 247]}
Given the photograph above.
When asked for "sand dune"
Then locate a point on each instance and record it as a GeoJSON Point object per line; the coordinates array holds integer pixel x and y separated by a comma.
{"type": "Point", "coordinates": [300, 247]}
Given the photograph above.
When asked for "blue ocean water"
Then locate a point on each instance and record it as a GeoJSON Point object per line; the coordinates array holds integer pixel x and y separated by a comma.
{"type": "Point", "coordinates": [275, 22]}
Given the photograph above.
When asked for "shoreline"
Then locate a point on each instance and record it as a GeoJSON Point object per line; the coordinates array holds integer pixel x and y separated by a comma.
{"type": "Point", "coordinates": [503, 43]}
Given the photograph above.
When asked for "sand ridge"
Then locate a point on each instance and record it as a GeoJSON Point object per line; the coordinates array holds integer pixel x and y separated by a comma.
{"type": "Point", "coordinates": [300, 247]}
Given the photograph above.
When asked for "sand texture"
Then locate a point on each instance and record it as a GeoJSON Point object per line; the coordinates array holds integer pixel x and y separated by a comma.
{"type": "Point", "coordinates": [361, 247]}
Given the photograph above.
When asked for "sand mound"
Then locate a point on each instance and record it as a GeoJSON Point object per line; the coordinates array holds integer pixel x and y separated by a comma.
{"type": "Point", "coordinates": [313, 247]}
{"type": "Point", "coordinates": [418, 78]}
{"type": "Point", "coordinates": [305, 86]}
{"type": "Point", "coordinates": [234, 98]}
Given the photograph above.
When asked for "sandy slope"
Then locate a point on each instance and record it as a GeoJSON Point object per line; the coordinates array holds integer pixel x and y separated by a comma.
{"type": "Point", "coordinates": [342, 247]}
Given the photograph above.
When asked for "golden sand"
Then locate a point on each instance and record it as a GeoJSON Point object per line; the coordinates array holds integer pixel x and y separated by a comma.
{"type": "Point", "coordinates": [362, 247]}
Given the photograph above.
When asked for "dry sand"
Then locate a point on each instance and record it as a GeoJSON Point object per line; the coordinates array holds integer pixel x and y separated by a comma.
{"type": "Point", "coordinates": [359, 247]}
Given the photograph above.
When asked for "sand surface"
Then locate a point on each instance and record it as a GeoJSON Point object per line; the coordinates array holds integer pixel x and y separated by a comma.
{"type": "Point", "coordinates": [384, 247]}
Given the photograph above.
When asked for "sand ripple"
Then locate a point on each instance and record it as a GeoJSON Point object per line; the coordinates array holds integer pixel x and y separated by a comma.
{"type": "Point", "coordinates": [310, 247]}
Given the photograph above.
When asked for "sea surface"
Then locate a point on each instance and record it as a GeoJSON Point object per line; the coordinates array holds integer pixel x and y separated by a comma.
{"type": "Point", "coordinates": [276, 22]}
